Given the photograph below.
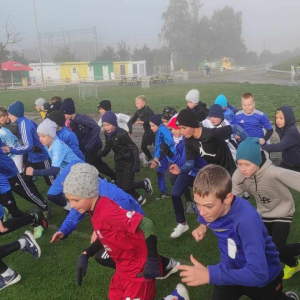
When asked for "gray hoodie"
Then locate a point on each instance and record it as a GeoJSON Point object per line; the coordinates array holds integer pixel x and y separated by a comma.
{"type": "Point", "coordinates": [270, 187]}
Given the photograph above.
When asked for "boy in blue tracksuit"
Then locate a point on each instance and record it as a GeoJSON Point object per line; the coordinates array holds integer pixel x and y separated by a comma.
{"type": "Point", "coordinates": [249, 264]}
{"type": "Point", "coordinates": [163, 136]}
{"type": "Point", "coordinates": [37, 155]}
{"type": "Point", "coordinates": [26, 190]}
{"type": "Point", "coordinates": [228, 113]}
{"type": "Point", "coordinates": [88, 134]}
{"type": "Point", "coordinates": [65, 134]}
{"type": "Point", "coordinates": [252, 120]}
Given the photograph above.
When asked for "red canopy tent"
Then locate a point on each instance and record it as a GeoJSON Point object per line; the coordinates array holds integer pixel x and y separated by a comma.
{"type": "Point", "coordinates": [13, 66]}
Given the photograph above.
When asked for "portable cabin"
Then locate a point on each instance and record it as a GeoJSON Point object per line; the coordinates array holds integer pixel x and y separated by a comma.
{"type": "Point", "coordinates": [51, 71]}
{"type": "Point", "coordinates": [121, 69]}
{"type": "Point", "coordinates": [75, 71]}
{"type": "Point", "coordinates": [101, 69]}
{"type": "Point", "coordinates": [137, 68]}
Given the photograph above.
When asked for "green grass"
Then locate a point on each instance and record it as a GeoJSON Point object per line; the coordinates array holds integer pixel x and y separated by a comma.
{"type": "Point", "coordinates": [286, 65]}
{"type": "Point", "coordinates": [53, 276]}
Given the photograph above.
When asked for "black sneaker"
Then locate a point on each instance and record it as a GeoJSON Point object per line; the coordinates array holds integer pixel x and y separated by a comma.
{"type": "Point", "coordinates": [148, 187]}
{"type": "Point", "coordinates": [9, 280]}
{"type": "Point", "coordinates": [40, 219]}
{"type": "Point", "coordinates": [162, 196]}
{"type": "Point", "coordinates": [171, 269]}
{"type": "Point", "coordinates": [31, 245]}
{"type": "Point", "coordinates": [141, 201]}
{"type": "Point", "coordinates": [292, 295]}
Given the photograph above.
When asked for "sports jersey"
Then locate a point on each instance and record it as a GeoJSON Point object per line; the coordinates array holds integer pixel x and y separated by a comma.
{"type": "Point", "coordinates": [117, 229]}
{"type": "Point", "coordinates": [254, 123]}
{"type": "Point", "coordinates": [4, 185]}
{"type": "Point", "coordinates": [248, 254]}
{"type": "Point", "coordinates": [7, 166]}
{"type": "Point", "coordinates": [212, 147]}
{"type": "Point", "coordinates": [61, 155]}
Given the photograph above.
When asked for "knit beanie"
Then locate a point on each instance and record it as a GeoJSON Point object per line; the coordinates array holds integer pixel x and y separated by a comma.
{"type": "Point", "coordinates": [68, 107]}
{"type": "Point", "coordinates": [216, 111]}
{"type": "Point", "coordinates": [193, 96]}
{"type": "Point", "coordinates": [16, 109]}
{"type": "Point", "coordinates": [249, 150]}
{"type": "Point", "coordinates": [188, 118]}
{"type": "Point", "coordinates": [82, 181]}
{"type": "Point", "coordinates": [168, 112]}
{"type": "Point", "coordinates": [110, 118]}
{"type": "Point", "coordinates": [105, 104]}
{"type": "Point", "coordinates": [40, 102]}
{"type": "Point", "coordinates": [54, 106]}
{"type": "Point", "coordinates": [57, 117]}
{"type": "Point", "coordinates": [156, 119]}
{"type": "Point", "coordinates": [47, 127]}
{"type": "Point", "coordinates": [172, 123]}
{"type": "Point", "coordinates": [221, 100]}
{"type": "Point", "coordinates": [46, 106]}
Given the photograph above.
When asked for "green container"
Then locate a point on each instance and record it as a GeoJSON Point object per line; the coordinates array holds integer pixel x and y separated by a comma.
{"type": "Point", "coordinates": [102, 69]}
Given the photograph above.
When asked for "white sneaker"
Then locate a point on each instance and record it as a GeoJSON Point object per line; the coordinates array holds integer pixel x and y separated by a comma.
{"type": "Point", "coordinates": [143, 159]}
{"type": "Point", "coordinates": [179, 230]}
{"type": "Point", "coordinates": [170, 269]}
{"type": "Point", "coordinates": [180, 293]}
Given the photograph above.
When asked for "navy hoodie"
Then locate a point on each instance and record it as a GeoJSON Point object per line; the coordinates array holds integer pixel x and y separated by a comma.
{"type": "Point", "coordinates": [289, 136]}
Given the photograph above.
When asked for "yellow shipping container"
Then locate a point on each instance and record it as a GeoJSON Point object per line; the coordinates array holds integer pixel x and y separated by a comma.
{"type": "Point", "coordinates": [121, 69]}
{"type": "Point", "coordinates": [74, 71]}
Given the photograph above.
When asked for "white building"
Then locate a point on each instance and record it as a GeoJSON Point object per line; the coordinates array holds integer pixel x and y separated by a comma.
{"type": "Point", "coordinates": [51, 71]}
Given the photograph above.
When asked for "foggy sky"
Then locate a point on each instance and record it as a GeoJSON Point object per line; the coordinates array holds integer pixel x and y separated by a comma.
{"type": "Point", "coordinates": [139, 21]}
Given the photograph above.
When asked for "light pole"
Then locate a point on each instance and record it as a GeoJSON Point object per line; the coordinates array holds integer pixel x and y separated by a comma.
{"type": "Point", "coordinates": [39, 43]}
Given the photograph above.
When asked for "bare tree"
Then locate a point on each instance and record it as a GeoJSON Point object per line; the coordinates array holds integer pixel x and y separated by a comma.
{"type": "Point", "coordinates": [10, 37]}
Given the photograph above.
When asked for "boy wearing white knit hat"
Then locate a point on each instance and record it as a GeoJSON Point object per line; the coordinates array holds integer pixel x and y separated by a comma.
{"type": "Point", "coordinates": [193, 102]}
{"type": "Point", "coordinates": [39, 107]}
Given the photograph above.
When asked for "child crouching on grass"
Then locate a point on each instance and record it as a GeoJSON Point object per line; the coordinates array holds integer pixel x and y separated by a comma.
{"type": "Point", "coordinates": [163, 136]}
{"type": "Point", "coordinates": [250, 264]}
{"type": "Point", "coordinates": [127, 161]}
{"type": "Point", "coordinates": [127, 236]}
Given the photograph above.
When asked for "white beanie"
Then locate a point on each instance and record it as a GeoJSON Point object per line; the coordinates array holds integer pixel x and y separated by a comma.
{"type": "Point", "coordinates": [47, 127]}
{"type": "Point", "coordinates": [40, 102]}
{"type": "Point", "coordinates": [193, 96]}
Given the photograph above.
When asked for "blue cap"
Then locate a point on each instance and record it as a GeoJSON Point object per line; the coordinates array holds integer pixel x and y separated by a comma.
{"type": "Point", "coordinates": [221, 100]}
{"type": "Point", "coordinates": [16, 109]}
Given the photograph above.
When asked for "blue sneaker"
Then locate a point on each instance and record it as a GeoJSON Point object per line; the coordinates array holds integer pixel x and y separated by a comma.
{"type": "Point", "coordinates": [31, 246]}
{"type": "Point", "coordinates": [9, 280]}
{"type": "Point", "coordinates": [180, 293]}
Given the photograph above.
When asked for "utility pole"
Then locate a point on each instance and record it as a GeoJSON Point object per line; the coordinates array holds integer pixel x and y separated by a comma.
{"type": "Point", "coordinates": [39, 42]}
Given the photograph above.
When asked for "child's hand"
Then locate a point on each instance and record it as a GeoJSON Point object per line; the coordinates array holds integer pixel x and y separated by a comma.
{"type": "Point", "coordinates": [237, 137]}
{"type": "Point", "coordinates": [6, 149]}
{"type": "Point", "coordinates": [194, 275]}
{"type": "Point", "coordinates": [94, 237]}
{"type": "Point", "coordinates": [139, 122]}
{"type": "Point", "coordinates": [174, 169]}
{"type": "Point", "coordinates": [29, 171]}
{"type": "Point", "coordinates": [2, 228]}
{"type": "Point", "coordinates": [57, 236]}
{"type": "Point", "coordinates": [262, 141]}
{"type": "Point", "coordinates": [153, 164]}
{"type": "Point", "coordinates": [199, 233]}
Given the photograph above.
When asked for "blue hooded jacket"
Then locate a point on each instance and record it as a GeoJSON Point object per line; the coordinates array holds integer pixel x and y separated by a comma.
{"type": "Point", "coordinates": [289, 136]}
{"type": "Point", "coordinates": [30, 138]}
{"type": "Point", "coordinates": [4, 185]}
{"type": "Point", "coordinates": [7, 166]}
{"type": "Point", "coordinates": [163, 135]}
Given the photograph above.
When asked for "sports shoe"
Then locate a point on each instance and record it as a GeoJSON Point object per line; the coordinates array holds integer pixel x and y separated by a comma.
{"type": "Point", "coordinates": [31, 245]}
{"type": "Point", "coordinates": [292, 295]}
{"type": "Point", "coordinates": [246, 196]}
{"type": "Point", "coordinates": [38, 232]}
{"type": "Point", "coordinates": [162, 196]}
{"type": "Point", "coordinates": [7, 215]}
{"type": "Point", "coordinates": [180, 293]}
{"type": "Point", "coordinates": [40, 219]}
{"type": "Point", "coordinates": [9, 280]}
{"type": "Point", "coordinates": [148, 187]}
{"type": "Point", "coordinates": [290, 271]}
{"type": "Point", "coordinates": [143, 159]}
{"type": "Point", "coordinates": [171, 269]}
{"type": "Point", "coordinates": [141, 201]}
{"type": "Point", "coordinates": [190, 207]}
{"type": "Point", "coordinates": [179, 230]}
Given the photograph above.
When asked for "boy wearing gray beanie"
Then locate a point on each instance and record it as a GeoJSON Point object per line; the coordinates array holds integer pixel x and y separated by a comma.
{"type": "Point", "coordinates": [116, 228]}
{"type": "Point", "coordinates": [269, 185]}
{"type": "Point", "coordinates": [193, 102]}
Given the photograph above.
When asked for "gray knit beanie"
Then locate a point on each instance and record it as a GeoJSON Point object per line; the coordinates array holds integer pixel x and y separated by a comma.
{"type": "Point", "coordinates": [47, 127]}
{"type": "Point", "coordinates": [193, 96]}
{"type": "Point", "coordinates": [82, 181]}
{"type": "Point", "coordinates": [40, 102]}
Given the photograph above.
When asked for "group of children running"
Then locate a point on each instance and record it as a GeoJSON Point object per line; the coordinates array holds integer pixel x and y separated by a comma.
{"type": "Point", "coordinates": [220, 154]}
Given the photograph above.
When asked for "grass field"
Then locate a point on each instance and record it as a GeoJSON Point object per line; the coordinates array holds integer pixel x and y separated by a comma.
{"type": "Point", "coordinates": [53, 276]}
